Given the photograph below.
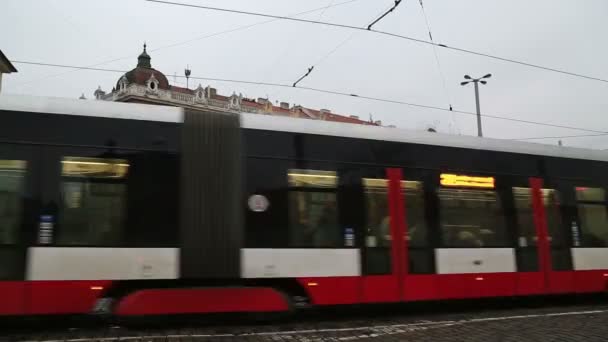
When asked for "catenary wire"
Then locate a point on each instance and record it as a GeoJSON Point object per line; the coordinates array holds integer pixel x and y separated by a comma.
{"type": "Point", "coordinates": [441, 74]}
{"type": "Point", "coordinates": [421, 41]}
{"type": "Point", "coordinates": [183, 42]}
{"type": "Point", "coordinates": [340, 44]}
{"type": "Point", "coordinates": [326, 91]}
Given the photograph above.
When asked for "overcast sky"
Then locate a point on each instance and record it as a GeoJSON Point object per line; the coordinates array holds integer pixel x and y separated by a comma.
{"type": "Point", "coordinates": [563, 34]}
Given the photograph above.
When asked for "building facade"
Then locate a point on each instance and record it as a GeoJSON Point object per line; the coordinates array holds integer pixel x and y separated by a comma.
{"type": "Point", "coordinates": [145, 84]}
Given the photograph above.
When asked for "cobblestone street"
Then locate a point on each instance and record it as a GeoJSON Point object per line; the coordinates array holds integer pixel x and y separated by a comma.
{"type": "Point", "coordinates": [561, 323]}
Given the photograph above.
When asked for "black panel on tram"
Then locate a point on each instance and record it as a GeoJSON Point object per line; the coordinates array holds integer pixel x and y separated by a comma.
{"type": "Point", "coordinates": [57, 129]}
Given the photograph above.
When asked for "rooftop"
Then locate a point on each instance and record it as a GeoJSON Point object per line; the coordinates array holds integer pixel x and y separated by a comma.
{"type": "Point", "coordinates": [6, 67]}
{"type": "Point", "coordinates": [148, 85]}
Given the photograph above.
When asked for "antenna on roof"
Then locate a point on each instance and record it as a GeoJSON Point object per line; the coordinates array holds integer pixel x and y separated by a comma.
{"type": "Point", "coordinates": [187, 72]}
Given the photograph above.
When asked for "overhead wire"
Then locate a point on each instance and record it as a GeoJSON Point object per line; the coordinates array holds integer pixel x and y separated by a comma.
{"type": "Point", "coordinates": [183, 42]}
{"type": "Point", "coordinates": [334, 49]}
{"type": "Point", "coordinates": [342, 43]}
{"type": "Point", "coordinates": [339, 45]}
{"type": "Point", "coordinates": [441, 74]}
{"type": "Point", "coordinates": [290, 44]}
{"type": "Point", "coordinates": [416, 40]}
{"type": "Point", "coordinates": [331, 2]}
{"type": "Point", "coordinates": [397, 2]}
{"type": "Point", "coordinates": [326, 91]}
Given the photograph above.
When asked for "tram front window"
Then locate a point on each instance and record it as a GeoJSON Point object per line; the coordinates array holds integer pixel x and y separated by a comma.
{"type": "Point", "coordinates": [471, 218]}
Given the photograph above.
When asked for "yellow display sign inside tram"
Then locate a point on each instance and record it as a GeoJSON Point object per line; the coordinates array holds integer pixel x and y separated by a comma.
{"type": "Point", "coordinates": [452, 180]}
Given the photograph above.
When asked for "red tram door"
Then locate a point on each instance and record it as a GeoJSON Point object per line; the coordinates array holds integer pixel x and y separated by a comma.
{"type": "Point", "coordinates": [386, 274]}
{"type": "Point", "coordinates": [409, 240]}
{"type": "Point", "coordinates": [554, 280]}
{"type": "Point", "coordinates": [384, 252]}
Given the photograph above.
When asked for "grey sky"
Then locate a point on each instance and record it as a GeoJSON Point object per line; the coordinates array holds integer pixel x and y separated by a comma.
{"type": "Point", "coordinates": [563, 34]}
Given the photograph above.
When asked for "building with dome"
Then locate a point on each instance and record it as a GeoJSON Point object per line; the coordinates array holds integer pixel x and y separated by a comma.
{"type": "Point", "coordinates": [144, 84]}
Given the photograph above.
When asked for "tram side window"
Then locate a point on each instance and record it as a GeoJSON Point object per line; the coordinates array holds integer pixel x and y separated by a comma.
{"type": "Point", "coordinates": [94, 194]}
{"type": "Point", "coordinates": [555, 227]}
{"type": "Point", "coordinates": [378, 219]}
{"type": "Point", "coordinates": [313, 211]}
{"type": "Point", "coordinates": [416, 222]}
{"type": "Point", "coordinates": [525, 216]}
{"type": "Point", "coordinates": [592, 213]}
{"type": "Point", "coordinates": [12, 178]}
{"type": "Point", "coordinates": [377, 229]}
{"type": "Point", "coordinates": [472, 218]}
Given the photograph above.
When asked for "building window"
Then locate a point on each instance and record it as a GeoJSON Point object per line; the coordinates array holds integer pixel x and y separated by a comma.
{"type": "Point", "coordinates": [472, 218]}
{"type": "Point", "coordinates": [592, 213]}
{"type": "Point", "coordinates": [94, 194]}
{"type": "Point", "coordinates": [152, 85]}
{"type": "Point", "coordinates": [12, 182]}
{"type": "Point", "coordinates": [313, 210]}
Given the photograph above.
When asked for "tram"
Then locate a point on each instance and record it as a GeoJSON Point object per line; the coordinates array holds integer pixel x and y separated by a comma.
{"type": "Point", "coordinates": [136, 210]}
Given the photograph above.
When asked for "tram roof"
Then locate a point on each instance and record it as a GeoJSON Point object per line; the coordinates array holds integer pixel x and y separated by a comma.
{"type": "Point", "coordinates": [160, 113]}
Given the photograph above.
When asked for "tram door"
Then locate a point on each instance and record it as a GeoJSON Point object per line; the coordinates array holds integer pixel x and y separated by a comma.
{"type": "Point", "coordinates": [398, 258]}
{"type": "Point", "coordinates": [18, 198]}
{"type": "Point", "coordinates": [554, 261]}
{"type": "Point", "coordinates": [383, 252]}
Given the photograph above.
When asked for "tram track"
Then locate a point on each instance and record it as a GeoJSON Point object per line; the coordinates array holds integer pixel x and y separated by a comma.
{"type": "Point", "coordinates": [336, 324]}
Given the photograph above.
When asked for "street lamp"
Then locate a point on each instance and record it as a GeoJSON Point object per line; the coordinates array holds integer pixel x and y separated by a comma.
{"type": "Point", "coordinates": [475, 81]}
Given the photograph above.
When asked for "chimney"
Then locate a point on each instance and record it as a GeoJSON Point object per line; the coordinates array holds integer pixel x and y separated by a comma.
{"type": "Point", "coordinates": [213, 91]}
{"type": "Point", "coordinates": [284, 105]}
{"type": "Point", "coordinates": [354, 117]}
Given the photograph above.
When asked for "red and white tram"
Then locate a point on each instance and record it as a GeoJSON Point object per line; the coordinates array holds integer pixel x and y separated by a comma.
{"type": "Point", "coordinates": [133, 209]}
